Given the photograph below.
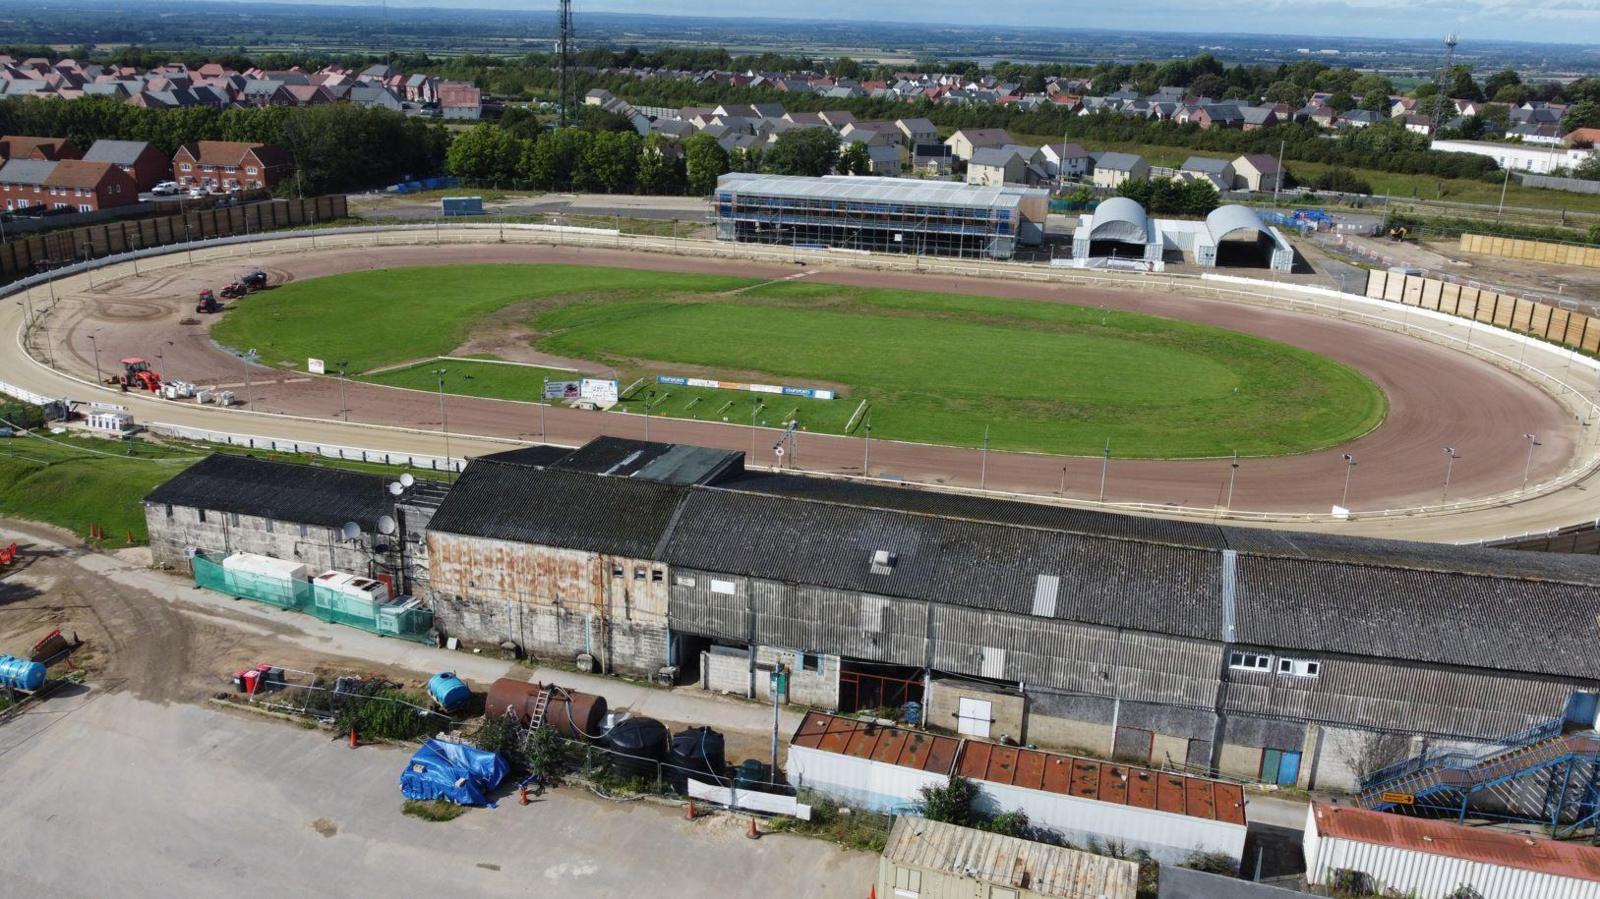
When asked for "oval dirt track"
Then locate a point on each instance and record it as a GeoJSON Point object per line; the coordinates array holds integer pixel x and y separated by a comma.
{"type": "Point", "coordinates": [1437, 396]}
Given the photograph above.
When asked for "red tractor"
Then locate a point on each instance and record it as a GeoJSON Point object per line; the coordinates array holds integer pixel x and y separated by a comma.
{"type": "Point", "coordinates": [208, 302]}
{"type": "Point", "coordinates": [137, 375]}
{"type": "Point", "coordinates": [234, 291]}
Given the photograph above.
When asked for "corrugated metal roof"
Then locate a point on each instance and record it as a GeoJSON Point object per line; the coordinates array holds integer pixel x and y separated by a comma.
{"type": "Point", "coordinates": [1082, 778]}
{"type": "Point", "coordinates": [1225, 220]}
{"type": "Point", "coordinates": [1119, 218]}
{"type": "Point", "coordinates": [955, 851]}
{"type": "Point", "coordinates": [281, 491]}
{"type": "Point", "coordinates": [877, 742]}
{"type": "Point", "coordinates": [669, 463]}
{"type": "Point", "coordinates": [877, 190]}
{"type": "Point", "coordinates": [1474, 844]}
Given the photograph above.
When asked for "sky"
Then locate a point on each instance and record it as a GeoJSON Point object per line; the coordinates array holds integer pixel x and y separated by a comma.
{"type": "Point", "coordinates": [1549, 21]}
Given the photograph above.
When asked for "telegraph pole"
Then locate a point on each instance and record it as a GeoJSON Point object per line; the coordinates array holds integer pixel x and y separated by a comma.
{"type": "Point", "coordinates": [564, 85]}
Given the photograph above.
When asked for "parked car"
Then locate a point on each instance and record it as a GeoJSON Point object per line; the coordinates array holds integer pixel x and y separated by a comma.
{"type": "Point", "coordinates": [196, 193]}
{"type": "Point", "coordinates": [165, 189]}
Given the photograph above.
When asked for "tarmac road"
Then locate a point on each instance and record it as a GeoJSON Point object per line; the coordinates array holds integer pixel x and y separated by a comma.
{"type": "Point", "coordinates": [1438, 396]}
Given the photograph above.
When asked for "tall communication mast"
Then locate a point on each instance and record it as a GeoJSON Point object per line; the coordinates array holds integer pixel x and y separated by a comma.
{"type": "Point", "coordinates": [564, 83]}
{"type": "Point", "coordinates": [1447, 77]}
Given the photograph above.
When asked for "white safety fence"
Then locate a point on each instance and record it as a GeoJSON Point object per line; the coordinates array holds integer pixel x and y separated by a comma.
{"type": "Point", "coordinates": [1271, 294]}
{"type": "Point", "coordinates": [306, 448]}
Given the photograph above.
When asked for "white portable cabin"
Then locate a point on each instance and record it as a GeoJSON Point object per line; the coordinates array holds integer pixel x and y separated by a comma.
{"type": "Point", "coordinates": [264, 566]}
{"type": "Point", "coordinates": [354, 586]}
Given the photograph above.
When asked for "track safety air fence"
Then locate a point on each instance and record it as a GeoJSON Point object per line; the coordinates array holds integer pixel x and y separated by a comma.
{"type": "Point", "coordinates": [408, 622]}
{"type": "Point", "coordinates": [1563, 372]}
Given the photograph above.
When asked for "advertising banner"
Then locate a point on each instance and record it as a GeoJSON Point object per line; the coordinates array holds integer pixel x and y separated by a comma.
{"type": "Point", "coordinates": [814, 393]}
{"type": "Point", "coordinates": [561, 390]}
{"type": "Point", "coordinates": [597, 391]}
{"type": "Point", "coordinates": [316, 366]}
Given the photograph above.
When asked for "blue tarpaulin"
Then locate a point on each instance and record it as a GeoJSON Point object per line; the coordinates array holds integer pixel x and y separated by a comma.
{"type": "Point", "coordinates": [460, 774]}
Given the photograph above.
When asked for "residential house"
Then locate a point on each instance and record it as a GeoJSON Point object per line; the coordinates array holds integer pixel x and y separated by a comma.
{"type": "Point", "coordinates": [1255, 118]}
{"type": "Point", "coordinates": [71, 184]}
{"type": "Point", "coordinates": [1257, 172]}
{"type": "Point", "coordinates": [1218, 171]}
{"type": "Point", "coordinates": [1582, 137]}
{"type": "Point", "coordinates": [1065, 160]}
{"type": "Point", "coordinates": [146, 165]}
{"type": "Point", "coordinates": [374, 96]}
{"type": "Point", "coordinates": [887, 160]}
{"type": "Point", "coordinates": [218, 165]}
{"type": "Point", "coordinates": [1359, 118]}
{"type": "Point", "coordinates": [1218, 115]}
{"type": "Point", "coordinates": [1112, 169]}
{"type": "Point", "coordinates": [460, 100]}
{"type": "Point", "coordinates": [994, 166]}
{"type": "Point", "coordinates": [1419, 124]}
{"type": "Point", "coordinates": [964, 142]}
{"type": "Point", "coordinates": [917, 131]}
{"type": "Point", "coordinates": [46, 148]}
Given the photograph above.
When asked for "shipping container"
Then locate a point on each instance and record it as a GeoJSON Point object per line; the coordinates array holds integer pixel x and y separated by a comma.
{"type": "Point", "coordinates": [1432, 859]}
{"type": "Point", "coordinates": [264, 566]}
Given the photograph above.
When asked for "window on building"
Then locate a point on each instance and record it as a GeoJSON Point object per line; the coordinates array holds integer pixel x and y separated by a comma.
{"type": "Point", "coordinates": [1250, 661]}
{"type": "Point", "coordinates": [721, 586]}
{"type": "Point", "coordinates": [250, 170]}
{"type": "Point", "coordinates": [657, 576]}
{"type": "Point", "coordinates": [685, 580]}
{"type": "Point", "coordinates": [1299, 667]}
{"type": "Point", "coordinates": [266, 524]}
{"type": "Point", "coordinates": [305, 530]}
{"type": "Point", "coordinates": [233, 519]}
{"type": "Point", "coordinates": [85, 207]}
{"type": "Point", "coordinates": [616, 569]}
{"type": "Point", "coordinates": [184, 167]}
{"type": "Point", "coordinates": [907, 882]}
{"type": "Point", "coordinates": [202, 515]}
{"type": "Point", "coordinates": [639, 573]}
{"type": "Point", "coordinates": [169, 510]}
{"type": "Point", "coordinates": [810, 661]}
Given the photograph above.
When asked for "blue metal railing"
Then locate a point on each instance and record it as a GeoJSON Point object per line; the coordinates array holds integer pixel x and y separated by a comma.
{"type": "Point", "coordinates": [1457, 760]}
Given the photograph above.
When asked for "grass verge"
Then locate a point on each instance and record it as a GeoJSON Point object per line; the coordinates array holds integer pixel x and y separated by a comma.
{"type": "Point", "coordinates": [432, 809]}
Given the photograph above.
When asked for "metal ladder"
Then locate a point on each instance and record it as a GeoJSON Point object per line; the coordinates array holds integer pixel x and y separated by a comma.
{"type": "Point", "coordinates": [536, 717]}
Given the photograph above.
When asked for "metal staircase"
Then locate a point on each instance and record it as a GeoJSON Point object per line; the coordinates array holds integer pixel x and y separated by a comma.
{"type": "Point", "coordinates": [1546, 774]}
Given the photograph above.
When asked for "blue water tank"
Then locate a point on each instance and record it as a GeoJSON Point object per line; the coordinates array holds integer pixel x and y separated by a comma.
{"type": "Point", "coordinates": [449, 691]}
{"type": "Point", "coordinates": [21, 674]}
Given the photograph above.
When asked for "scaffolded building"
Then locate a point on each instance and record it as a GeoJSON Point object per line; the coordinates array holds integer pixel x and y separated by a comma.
{"type": "Point", "coordinates": [883, 215]}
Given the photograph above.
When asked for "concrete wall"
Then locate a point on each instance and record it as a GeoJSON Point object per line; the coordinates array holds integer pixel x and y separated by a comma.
{"type": "Point", "coordinates": [1007, 709]}
{"type": "Point", "coordinates": [552, 602]}
{"type": "Point", "coordinates": [726, 669]}
{"type": "Point", "coordinates": [221, 533]}
{"type": "Point", "coordinates": [815, 689]}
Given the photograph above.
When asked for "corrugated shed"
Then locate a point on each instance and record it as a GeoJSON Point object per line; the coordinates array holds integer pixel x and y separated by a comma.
{"type": "Point", "coordinates": [1175, 794]}
{"type": "Point", "coordinates": [1478, 844]}
{"type": "Point", "coordinates": [876, 742]}
{"type": "Point", "coordinates": [955, 851]}
{"type": "Point", "coordinates": [570, 510]}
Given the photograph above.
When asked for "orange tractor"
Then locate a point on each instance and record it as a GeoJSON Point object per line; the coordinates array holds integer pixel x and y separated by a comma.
{"type": "Point", "coordinates": [137, 375]}
{"type": "Point", "coordinates": [208, 302]}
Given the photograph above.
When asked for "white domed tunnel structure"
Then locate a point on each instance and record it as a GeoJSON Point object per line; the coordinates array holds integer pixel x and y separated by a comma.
{"type": "Point", "coordinates": [1230, 235]}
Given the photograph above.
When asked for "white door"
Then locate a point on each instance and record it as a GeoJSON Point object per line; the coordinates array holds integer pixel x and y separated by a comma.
{"type": "Point", "coordinates": [972, 717]}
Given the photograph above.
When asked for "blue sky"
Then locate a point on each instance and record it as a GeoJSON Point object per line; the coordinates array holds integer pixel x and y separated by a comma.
{"type": "Point", "coordinates": [1555, 21]}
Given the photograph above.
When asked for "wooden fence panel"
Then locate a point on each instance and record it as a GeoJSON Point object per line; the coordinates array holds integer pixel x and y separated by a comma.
{"type": "Point", "coordinates": [1430, 293]}
{"type": "Point", "coordinates": [1375, 282]}
{"type": "Point", "coordinates": [1541, 320]}
{"type": "Point", "coordinates": [1523, 320]}
{"type": "Point", "coordinates": [1504, 307]}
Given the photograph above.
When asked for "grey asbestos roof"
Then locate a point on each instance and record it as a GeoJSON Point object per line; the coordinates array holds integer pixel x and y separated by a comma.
{"type": "Point", "coordinates": [994, 157]}
{"type": "Point", "coordinates": [1205, 164]}
{"type": "Point", "coordinates": [1117, 162]}
{"type": "Point", "coordinates": [574, 510]}
{"type": "Point", "coordinates": [282, 491]}
{"type": "Point", "coordinates": [668, 463]}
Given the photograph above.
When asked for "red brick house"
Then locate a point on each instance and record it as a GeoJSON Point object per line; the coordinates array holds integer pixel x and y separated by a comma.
{"type": "Point", "coordinates": [142, 161]}
{"type": "Point", "coordinates": [48, 148]}
{"type": "Point", "coordinates": [74, 184]}
{"type": "Point", "coordinates": [221, 165]}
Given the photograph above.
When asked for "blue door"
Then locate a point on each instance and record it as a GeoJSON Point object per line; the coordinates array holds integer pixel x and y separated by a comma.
{"type": "Point", "coordinates": [1280, 766]}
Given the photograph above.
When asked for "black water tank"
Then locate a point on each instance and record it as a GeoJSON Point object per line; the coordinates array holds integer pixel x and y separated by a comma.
{"type": "Point", "coordinates": [643, 742]}
{"type": "Point", "coordinates": [697, 754]}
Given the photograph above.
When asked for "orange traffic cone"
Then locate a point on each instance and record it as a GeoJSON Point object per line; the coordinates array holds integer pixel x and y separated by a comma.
{"type": "Point", "coordinates": [689, 814]}
{"type": "Point", "coordinates": [522, 795]}
{"type": "Point", "coordinates": [130, 537]}
{"type": "Point", "coordinates": [352, 737]}
{"type": "Point", "coordinates": [753, 834]}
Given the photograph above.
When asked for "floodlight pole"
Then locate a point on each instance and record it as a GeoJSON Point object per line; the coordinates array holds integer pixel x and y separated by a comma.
{"type": "Point", "coordinates": [1233, 474]}
{"type": "Point", "coordinates": [1105, 465]}
{"type": "Point", "coordinates": [1349, 469]}
{"type": "Point", "coordinates": [1527, 467]}
{"type": "Point", "coordinates": [98, 378]}
{"type": "Point", "coordinates": [983, 465]}
{"type": "Point", "coordinates": [344, 407]}
{"type": "Point", "coordinates": [444, 421]}
{"type": "Point", "coordinates": [1450, 462]}
{"type": "Point", "coordinates": [866, 449]}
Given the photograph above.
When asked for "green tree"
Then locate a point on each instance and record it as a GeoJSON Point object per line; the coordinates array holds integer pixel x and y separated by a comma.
{"type": "Point", "coordinates": [1341, 102]}
{"type": "Point", "coordinates": [1199, 198]}
{"type": "Point", "coordinates": [855, 160]}
{"type": "Point", "coordinates": [1287, 92]}
{"type": "Point", "coordinates": [484, 154]}
{"type": "Point", "coordinates": [704, 162]}
{"type": "Point", "coordinates": [1368, 85]}
{"type": "Point", "coordinates": [803, 151]}
{"type": "Point", "coordinates": [609, 162]}
{"type": "Point", "coordinates": [17, 414]}
{"type": "Point", "coordinates": [1501, 80]}
{"type": "Point", "coordinates": [1012, 824]}
{"type": "Point", "coordinates": [595, 118]}
{"type": "Point", "coordinates": [660, 166]}
{"type": "Point", "coordinates": [950, 802]}
{"type": "Point", "coordinates": [1207, 85]}
{"type": "Point", "coordinates": [557, 158]}
{"type": "Point", "coordinates": [1461, 85]}
{"type": "Point", "coordinates": [1588, 169]}
{"type": "Point", "coordinates": [1584, 114]}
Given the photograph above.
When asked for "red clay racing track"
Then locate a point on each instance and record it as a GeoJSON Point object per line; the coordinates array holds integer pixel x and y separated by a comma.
{"type": "Point", "coordinates": [1437, 396]}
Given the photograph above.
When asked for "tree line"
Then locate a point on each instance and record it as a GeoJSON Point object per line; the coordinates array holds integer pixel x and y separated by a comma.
{"type": "Point", "coordinates": [336, 147]}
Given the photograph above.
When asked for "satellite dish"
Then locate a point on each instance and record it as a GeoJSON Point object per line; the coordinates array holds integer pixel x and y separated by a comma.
{"type": "Point", "coordinates": [385, 525]}
{"type": "Point", "coordinates": [406, 480]}
{"type": "Point", "coordinates": [350, 531]}
{"type": "Point", "coordinates": [396, 489]}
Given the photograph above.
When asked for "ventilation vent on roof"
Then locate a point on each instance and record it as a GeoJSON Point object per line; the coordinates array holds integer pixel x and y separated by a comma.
{"type": "Point", "coordinates": [883, 562]}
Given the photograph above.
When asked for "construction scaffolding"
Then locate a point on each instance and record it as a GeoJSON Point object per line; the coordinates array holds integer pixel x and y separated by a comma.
{"type": "Point", "coordinates": [880, 215]}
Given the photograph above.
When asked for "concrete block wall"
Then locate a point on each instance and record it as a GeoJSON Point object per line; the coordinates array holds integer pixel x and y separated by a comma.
{"type": "Point", "coordinates": [221, 533]}
{"type": "Point", "coordinates": [554, 633]}
{"type": "Point", "coordinates": [1008, 711]}
{"type": "Point", "coordinates": [815, 689]}
{"type": "Point", "coordinates": [726, 669]}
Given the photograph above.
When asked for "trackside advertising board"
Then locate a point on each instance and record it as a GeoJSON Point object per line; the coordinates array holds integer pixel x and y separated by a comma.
{"type": "Point", "coordinates": [811, 393]}
{"type": "Point", "coordinates": [597, 391]}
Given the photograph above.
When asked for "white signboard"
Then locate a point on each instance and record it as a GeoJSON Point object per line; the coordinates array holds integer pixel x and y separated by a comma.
{"type": "Point", "coordinates": [748, 799]}
{"type": "Point", "coordinates": [597, 391]}
{"type": "Point", "coordinates": [316, 367]}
